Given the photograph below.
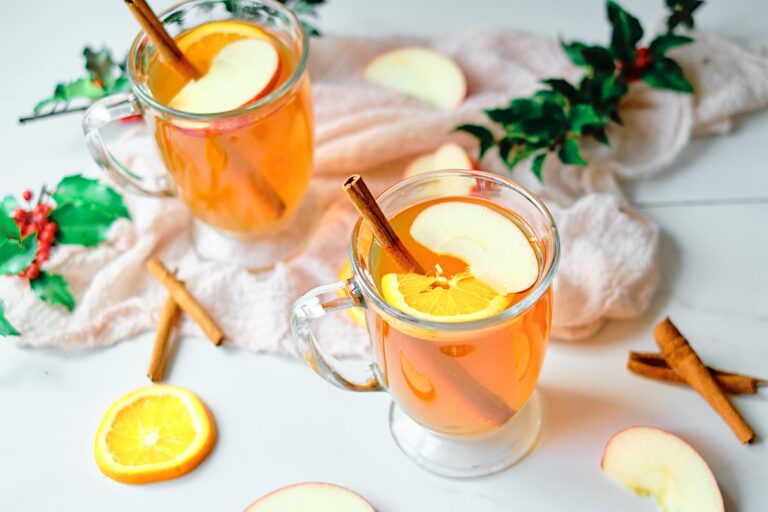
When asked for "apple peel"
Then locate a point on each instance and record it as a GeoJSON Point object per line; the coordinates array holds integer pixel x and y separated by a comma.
{"type": "Point", "coordinates": [652, 462]}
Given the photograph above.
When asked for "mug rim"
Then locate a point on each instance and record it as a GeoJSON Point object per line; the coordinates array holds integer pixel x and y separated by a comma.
{"type": "Point", "coordinates": [142, 39]}
{"type": "Point", "coordinates": [371, 291]}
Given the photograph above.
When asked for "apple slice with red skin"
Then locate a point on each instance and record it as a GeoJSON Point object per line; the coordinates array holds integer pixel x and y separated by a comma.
{"type": "Point", "coordinates": [242, 72]}
{"type": "Point", "coordinates": [419, 72]}
{"type": "Point", "coordinates": [652, 462]}
{"type": "Point", "coordinates": [311, 497]}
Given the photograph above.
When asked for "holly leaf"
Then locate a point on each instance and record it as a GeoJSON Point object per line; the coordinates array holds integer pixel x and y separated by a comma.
{"type": "Point", "coordinates": [81, 224]}
{"type": "Point", "coordinates": [66, 92]}
{"type": "Point", "coordinates": [9, 230]}
{"type": "Point", "coordinates": [563, 87]}
{"type": "Point", "coordinates": [53, 289]}
{"type": "Point", "coordinates": [665, 42]}
{"type": "Point", "coordinates": [6, 328]}
{"type": "Point", "coordinates": [538, 165]}
{"type": "Point", "coordinates": [9, 204]}
{"type": "Point", "coordinates": [569, 153]}
{"type": "Point", "coordinates": [573, 52]}
{"type": "Point", "coordinates": [682, 13]}
{"type": "Point", "coordinates": [521, 153]}
{"type": "Point", "coordinates": [481, 133]}
{"type": "Point", "coordinates": [597, 133]}
{"type": "Point", "coordinates": [581, 116]}
{"type": "Point", "coordinates": [626, 33]}
{"type": "Point", "coordinates": [665, 73]}
{"type": "Point", "coordinates": [78, 190]}
{"type": "Point", "coordinates": [16, 255]}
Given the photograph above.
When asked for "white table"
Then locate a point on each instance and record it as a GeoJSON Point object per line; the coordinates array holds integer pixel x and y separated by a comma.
{"type": "Point", "coordinates": [280, 424]}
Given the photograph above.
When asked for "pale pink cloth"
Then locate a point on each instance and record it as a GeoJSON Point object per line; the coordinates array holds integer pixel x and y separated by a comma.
{"type": "Point", "coordinates": [608, 267]}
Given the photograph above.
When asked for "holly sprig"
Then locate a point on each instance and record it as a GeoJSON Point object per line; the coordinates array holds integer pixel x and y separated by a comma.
{"type": "Point", "coordinates": [78, 211]}
{"type": "Point", "coordinates": [104, 76]}
{"type": "Point", "coordinates": [556, 119]}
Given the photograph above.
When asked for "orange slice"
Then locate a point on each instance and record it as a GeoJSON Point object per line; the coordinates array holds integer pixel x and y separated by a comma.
{"type": "Point", "coordinates": [154, 433]}
{"type": "Point", "coordinates": [461, 298]}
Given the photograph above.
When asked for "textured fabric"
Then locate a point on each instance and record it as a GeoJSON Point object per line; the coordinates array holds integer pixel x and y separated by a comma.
{"type": "Point", "coordinates": [608, 268]}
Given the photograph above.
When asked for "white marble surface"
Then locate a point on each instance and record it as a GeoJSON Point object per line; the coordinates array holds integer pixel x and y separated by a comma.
{"type": "Point", "coordinates": [280, 424]}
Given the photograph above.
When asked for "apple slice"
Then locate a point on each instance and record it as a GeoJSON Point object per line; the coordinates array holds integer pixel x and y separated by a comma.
{"type": "Point", "coordinates": [240, 73]}
{"type": "Point", "coordinates": [494, 247]}
{"type": "Point", "coordinates": [447, 156]}
{"type": "Point", "coordinates": [420, 72]}
{"type": "Point", "coordinates": [652, 462]}
{"type": "Point", "coordinates": [311, 497]}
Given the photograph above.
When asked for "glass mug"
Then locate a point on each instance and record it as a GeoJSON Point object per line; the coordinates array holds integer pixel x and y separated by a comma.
{"type": "Point", "coordinates": [464, 401]}
{"type": "Point", "coordinates": [243, 173]}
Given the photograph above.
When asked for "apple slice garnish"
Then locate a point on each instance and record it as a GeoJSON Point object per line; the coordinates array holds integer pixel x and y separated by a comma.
{"type": "Point", "coordinates": [494, 247]}
{"type": "Point", "coordinates": [652, 462]}
{"type": "Point", "coordinates": [311, 497]}
{"type": "Point", "coordinates": [243, 71]}
{"type": "Point", "coordinates": [420, 72]}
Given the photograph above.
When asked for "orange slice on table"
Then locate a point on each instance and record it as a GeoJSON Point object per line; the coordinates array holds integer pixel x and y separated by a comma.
{"type": "Point", "coordinates": [154, 433]}
{"type": "Point", "coordinates": [460, 298]}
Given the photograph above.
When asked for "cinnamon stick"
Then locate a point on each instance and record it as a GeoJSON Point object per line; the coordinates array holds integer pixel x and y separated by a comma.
{"type": "Point", "coordinates": [186, 301]}
{"type": "Point", "coordinates": [656, 367]}
{"type": "Point", "coordinates": [163, 42]}
{"type": "Point", "coordinates": [683, 359]}
{"type": "Point", "coordinates": [158, 362]}
{"type": "Point", "coordinates": [360, 195]}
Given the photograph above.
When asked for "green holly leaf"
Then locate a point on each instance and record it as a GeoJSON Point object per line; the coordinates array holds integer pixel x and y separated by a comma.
{"type": "Point", "coordinates": [563, 87]}
{"type": "Point", "coordinates": [521, 153]}
{"type": "Point", "coordinates": [6, 328]}
{"type": "Point", "coordinates": [78, 190]}
{"type": "Point", "coordinates": [681, 12]}
{"type": "Point", "coordinates": [665, 42]}
{"type": "Point", "coordinates": [665, 73]}
{"type": "Point", "coordinates": [82, 88]}
{"type": "Point", "coordinates": [9, 230]}
{"type": "Point", "coordinates": [506, 145]}
{"type": "Point", "coordinates": [581, 116]}
{"type": "Point", "coordinates": [569, 153]}
{"type": "Point", "coordinates": [81, 224]}
{"type": "Point", "coordinates": [481, 133]}
{"type": "Point", "coordinates": [573, 52]}
{"type": "Point", "coordinates": [538, 165]}
{"type": "Point", "coordinates": [53, 289]}
{"type": "Point", "coordinates": [9, 204]}
{"type": "Point", "coordinates": [597, 133]}
{"type": "Point", "coordinates": [17, 255]}
{"type": "Point", "coordinates": [626, 33]}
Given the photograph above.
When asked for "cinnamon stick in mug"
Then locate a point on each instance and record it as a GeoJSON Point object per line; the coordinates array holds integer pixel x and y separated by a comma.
{"type": "Point", "coordinates": [360, 196]}
{"type": "Point", "coordinates": [686, 363]}
{"type": "Point", "coordinates": [186, 301]}
{"type": "Point", "coordinates": [656, 367]}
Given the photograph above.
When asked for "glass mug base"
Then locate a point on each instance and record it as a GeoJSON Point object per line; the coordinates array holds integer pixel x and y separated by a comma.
{"type": "Point", "coordinates": [468, 456]}
{"type": "Point", "coordinates": [259, 252]}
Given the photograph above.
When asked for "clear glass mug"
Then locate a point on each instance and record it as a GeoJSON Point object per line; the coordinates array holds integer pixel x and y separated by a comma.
{"type": "Point", "coordinates": [464, 401]}
{"type": "Point", "coordinates": [243, 173]}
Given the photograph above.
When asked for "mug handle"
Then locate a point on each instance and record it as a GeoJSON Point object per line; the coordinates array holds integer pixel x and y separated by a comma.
{"type": "Point", "coordinates": [115, 108]}
{"type": "Point", "coordinates": [315, 304]}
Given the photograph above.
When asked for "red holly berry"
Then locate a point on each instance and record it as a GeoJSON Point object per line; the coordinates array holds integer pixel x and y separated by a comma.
{"type": "Point", "coordinates": [52, 227]}
{"type": "Point", "coordinates": [27, 195]}
{"type": "Point", "coordinates": [642, 59]}
{"type": "Point", "coordinates": [19, 215]}
{"type": "Point", "coordinates": [33, 271]}
{"type": "Point", "coordinates": [42, 256]}
{"type": "Point", "coordinates": [45, 236]}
